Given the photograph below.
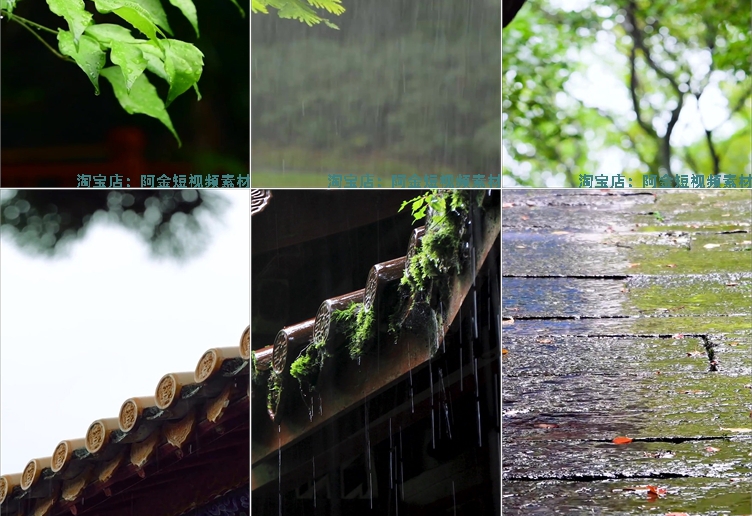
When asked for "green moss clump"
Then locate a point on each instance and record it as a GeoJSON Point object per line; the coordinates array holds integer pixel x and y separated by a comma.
{"type": "Point", "coordinates": [359, 325]}
{"type": "Point", "coordinates": [275, 391]}
{"type": "Point", "coordinates": [438, 256]}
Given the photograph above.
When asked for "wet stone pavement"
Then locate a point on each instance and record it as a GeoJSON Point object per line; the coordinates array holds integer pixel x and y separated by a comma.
{"type": "Point", "coordinates": [627, 314]}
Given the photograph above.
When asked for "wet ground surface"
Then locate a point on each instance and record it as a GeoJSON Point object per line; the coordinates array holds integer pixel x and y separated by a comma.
{"type": "Point", "coordinates": [627, 316]}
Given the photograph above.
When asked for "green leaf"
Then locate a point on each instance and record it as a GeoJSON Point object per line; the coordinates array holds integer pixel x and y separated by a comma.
{"type": "Point", "coordinates": [75, 14]}
{"type": "Point", "coordinates": [142, 98]}
{"type": "Point", "coordinates": [106, 33]}
{"type": "Point", "coordinates": [417, 204]}
{"type": "Point", "coordinates": [130, 59]}
{"type": "Point", "coordinates": [89, 56]}
{"type": "Point", "coordinates": [256, 6]}
{"type": "Point", "coordinates": [155, 57]}
{"type": "Point", "coordinates": [145, 15]}
{"type": "Point", "coordinates": [8, 5]}
{"type": "Point", "coordinates": [139, 20]}
{"type": "Point", "coordinates": [157, 12]}
{"type": "Point", "coordinates": [183, 63]}
{"type": "Point", "coordinates": [189, 11]}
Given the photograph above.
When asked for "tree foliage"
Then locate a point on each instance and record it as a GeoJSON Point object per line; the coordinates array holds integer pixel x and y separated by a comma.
{"type": "Point", "coordinates": [658, 60]}
{"type": "Point", "coordinates": [89, 44]}
{"type": "Point", "coordinates": [303, 11]}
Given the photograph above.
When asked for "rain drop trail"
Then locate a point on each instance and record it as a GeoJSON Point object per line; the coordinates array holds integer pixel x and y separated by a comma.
{"type": "Point", "coordinates": [475, 314]}
{"type": "Point", "coordinates": [475, 373]}
{"type": "Point", "coordinates": [279, 475]}
{"type": "Point", "coordinates": [496, 399]}
{"type": "Point", "coordinates": [477, 406]}
{"type": "Point", "coordinates": [391, 451]}
{"type": "Point", "coordinates": [412, 405]}
{"type": "Point", "coordinates": [321, 406]}
{"type": "Point", "coordinates": [314, 481]}
{"type": "Point", "coordinates": [430, 379]}
{"type": "Point", "coordinates": [454, 500]}
{"type": "Point", "coordinates": [441, 329]}
{"type": "Point", "coordinates": [433, 432]}
{"type": "Point", "coordinates": [402, 470]}
{"type": "Point", "coordinates": [462, 376]}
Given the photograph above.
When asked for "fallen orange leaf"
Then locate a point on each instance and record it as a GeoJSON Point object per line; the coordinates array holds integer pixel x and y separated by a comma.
{"type": "Point", "coordinates": [671, 265]}
{"type": "Point", "coordinates": [623, 440]}
{"type": "Point", "coordinates": [507, 205]}
{"type": "Point", "coordinates": [504, 351]}
{"type": "Point", "coordinates": [633, 265]}
{"type": "Point", "coordinates": [546, 425]}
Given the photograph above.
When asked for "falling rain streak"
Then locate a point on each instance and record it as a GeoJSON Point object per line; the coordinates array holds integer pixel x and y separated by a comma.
{"type": "Point", "coordinates": [279, 475]}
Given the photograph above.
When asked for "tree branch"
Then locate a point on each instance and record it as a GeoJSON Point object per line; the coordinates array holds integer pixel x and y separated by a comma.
{"type": "Point", "coordinates": [26, 24]}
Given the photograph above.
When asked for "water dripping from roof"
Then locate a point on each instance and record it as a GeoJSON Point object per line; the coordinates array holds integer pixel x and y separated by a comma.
{"type": "Point", "coordinates": [430, 378]}
{"type": "Point", "coordinates": [477, 406]}
{"type": "Point", "coordinates": [279, 474]}
{"type": "Point", "coordinates": [321, 406]}
{"type": "Point", "coordinates": [496, 399]}
{"type": "Point", "coordinates": [391, 453]}
{"type": "Point", "coordinates": [454, 500]}
{"type": "Point", "coordinates": [443, 340]}
{"type": "Point", "coordinates": [412, 405]}
{"type": "Point", "coordinates": [433, 432]}
{"type": "Point", "coordinates": [475, 374]}
{"type": "Point", "coordinates": [475, 313]}
{"type": "Point", "coordinates": [462, 376]}
{"type": "Point", "coordinates": [314, 481]}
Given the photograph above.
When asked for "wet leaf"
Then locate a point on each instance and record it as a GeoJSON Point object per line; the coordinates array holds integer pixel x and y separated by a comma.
{"type": "Point", "coordinates": [676, 514]}
{"type": "Point", "coordinates": [711, 246]}
{"type": "Point", "coordinates": [622, 440]}
{"type": "Point", "coordinates": [546, 425]}
{"type": "Point", "coordinates": [507, 205]}
{"type": "Point", "coordinates": [737, 430]}
{"type": "Point", "coordinates": [712, 449]}
{"type": "Point", "coordinates": [504, 351]}
{"type": "Point", "coordinates": [731, 284]}
{"type": "Point", "coordinates": [633, 265]}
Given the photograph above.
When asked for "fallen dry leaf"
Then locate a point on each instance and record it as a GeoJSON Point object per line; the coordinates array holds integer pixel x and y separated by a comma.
{"type": "Point", "coordinates": [524, 217]}
{"type": "Point", "coordinates": [507, 205]}
{"type": "Point", "coordinates": [711, 246]}
{"type": "Point", "coordinates": [670, 265]}
{"type": "Point", "coordinates": [726, 215]}
{"type": "Point", "coordinates": [546, 425]}
{"type": "Point", "coordinates": [712, 449]}
{"type": "Point", "coordinates": [733, 343]}
{"type": "Point", "coordinates": [560, 233]}
{"type": "Point", "coordinates": [676, 514]}
{"type": "Point", "coordinates": [693, 391]}
{"type": "Point", "coordinates": [519, 247]}
{"type": "Point", "coordinates": [508, 322]}
{"type": "Point", "coordinates": [695, 354]}
{"type": "Point", "coordinates": [678, 336]}
{"type": "Point", "coordinates": [737, 430]}
{"type": "Point", "coordinates": [504, 351]}
{"type": "Point", "coordinates": [633, 265]}
{"type": "Point", "coordinates": [622, 440]}
{"type": "Point", "coordinates": [731, 284]}
{"type": "Point", "coordinates": [540, 340]}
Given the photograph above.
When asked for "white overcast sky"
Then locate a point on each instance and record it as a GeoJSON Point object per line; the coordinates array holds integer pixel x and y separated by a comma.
{"type": "Point", "coordinates": [81, 334]}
